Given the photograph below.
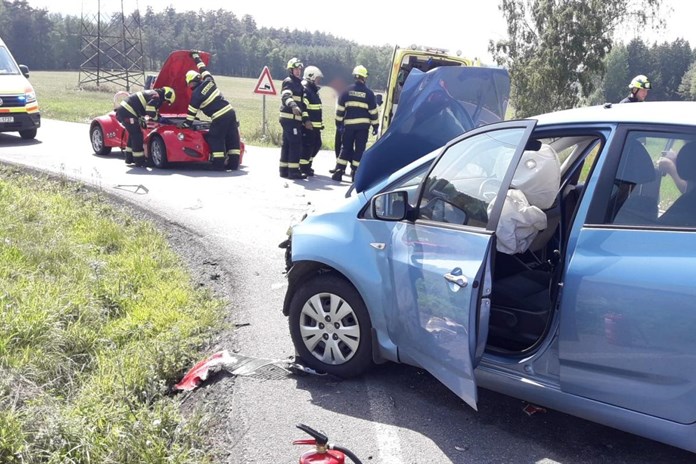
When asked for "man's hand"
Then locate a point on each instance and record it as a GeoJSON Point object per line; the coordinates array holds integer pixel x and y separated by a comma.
{"type": "Point", "coordinates": [143, 122]}
{"type": "Point", "coordinates": [374, 130]}
{"type": "Point", "coordinates": [194, 54]}
{"type": "Point", "coordinates": [308, 125]}
{"type": "Point", "coordinates": [185, 124]}
{"type": "Point", "coordinates": [296, 110]}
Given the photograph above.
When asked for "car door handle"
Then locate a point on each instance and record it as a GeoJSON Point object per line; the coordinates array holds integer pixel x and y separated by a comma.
{"type": "Point", "coordinates": [456, 279]}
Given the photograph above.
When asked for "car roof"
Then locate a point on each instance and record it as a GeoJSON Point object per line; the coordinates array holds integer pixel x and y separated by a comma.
{"type": "Point", "coordinates": [668, 112]}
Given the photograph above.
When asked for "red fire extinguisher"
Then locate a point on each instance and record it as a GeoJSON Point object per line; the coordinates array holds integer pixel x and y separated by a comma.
{"type": "Point", "coordinates": [324, 452]}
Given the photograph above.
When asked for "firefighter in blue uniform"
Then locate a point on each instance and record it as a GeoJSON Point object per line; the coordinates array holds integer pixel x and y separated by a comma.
{"type": "Point", "coordinates": [356, 111]}
{"type": "Point", "coordinates": [293, 116]}
{"type": "Point", "coordinates": [311, 136]}
{"type": "Point", "coordinates": [223, 136]}
{"type": "Point", "coordinates": [132, 114]}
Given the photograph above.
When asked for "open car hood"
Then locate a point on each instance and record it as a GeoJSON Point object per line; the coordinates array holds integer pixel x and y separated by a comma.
{"type": "Point", "coordinates": [173, 74]}
{"type": "Point", "coordinates": [434, 108]}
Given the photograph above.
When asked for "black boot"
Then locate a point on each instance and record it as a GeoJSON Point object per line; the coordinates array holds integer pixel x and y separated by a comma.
{"type": "Point", "coordinates": [139, 162]}
{"type": "Point", "coordinates": [129, 157]}
{"type": "Point", "coordinates": [219, 164]}
{"type": "Point", "coordinates": [296, 174]}
{"type": "Point", "coordinates": [284, 173]}
{"type": "Point", "coordinates": [306, 170]}
{"type": "Point", "coordinates": [337, 175]}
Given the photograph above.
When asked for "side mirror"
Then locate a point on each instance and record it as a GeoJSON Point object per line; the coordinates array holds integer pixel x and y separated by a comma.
{"type": "Point", "coordinates": [379, 98]}
{"type": "Point", "coordinates": [25, 70]}
{"type": "Point", "coordinates": [390, 206]}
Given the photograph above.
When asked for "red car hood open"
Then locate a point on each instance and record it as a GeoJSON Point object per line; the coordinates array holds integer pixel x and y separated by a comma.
{"type": "Point", "coordinates": [173, 74]}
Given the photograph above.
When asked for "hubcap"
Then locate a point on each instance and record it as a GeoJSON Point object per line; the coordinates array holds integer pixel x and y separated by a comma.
{"type": "Point", "coordinates": [330, 328]}
{"type": "Point", "coordinates": [97, 141]}
{"type": "Point", "coordinates": [157, 153]}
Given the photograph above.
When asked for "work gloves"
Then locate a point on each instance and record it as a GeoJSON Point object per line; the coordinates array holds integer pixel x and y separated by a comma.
{"type": "Point", "coordinates": [143, 122]}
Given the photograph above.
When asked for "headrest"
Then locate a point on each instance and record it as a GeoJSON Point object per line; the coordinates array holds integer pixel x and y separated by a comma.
{"type": "Point", "coordinates": [636, 166]}
{"type": "Point", "coordinates": [686, 162]}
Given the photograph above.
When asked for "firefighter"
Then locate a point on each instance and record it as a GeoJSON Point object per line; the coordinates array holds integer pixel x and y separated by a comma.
{"type": "Point", "coordinates": [132, 114]}
{"type": "Point", "coordinates": [639, 89]}
{"type": "Point", "coordinates": [311, 135]}
{"type": "Point", "coordinates": [293, 117]}
{"type": "Point", "coordinates": [356, 111]}
{"type": "Point", "coordinates": [223, 136]}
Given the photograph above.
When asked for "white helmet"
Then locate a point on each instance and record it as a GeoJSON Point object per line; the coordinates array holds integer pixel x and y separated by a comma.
{"type": "Point", "coordinates": [311, 73]}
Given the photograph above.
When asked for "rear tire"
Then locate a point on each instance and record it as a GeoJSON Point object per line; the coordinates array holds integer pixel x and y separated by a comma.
{"type": "Point", "coordinates": [158, 153]}
{"type": "Point", "coordinates": [28, 134]}
{"type": "Point", "coordinates": [96, 136]}
{"type": "Point", "coordinates": [330, 327]}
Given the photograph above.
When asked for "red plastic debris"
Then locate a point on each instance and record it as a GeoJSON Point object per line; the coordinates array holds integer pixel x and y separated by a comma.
{"type": "Point", "coordinates": [200, 371]}
{"type": "Point", "coordinates": [532, 409]}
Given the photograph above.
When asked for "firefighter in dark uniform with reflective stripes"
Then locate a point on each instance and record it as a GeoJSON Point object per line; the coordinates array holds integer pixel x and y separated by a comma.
{"type": "Point", "coordinates": [356, 111]}
{"type": "Point", "coordinates": [223, 136]}
{"type": "Point", "coordinates": [311, 137]}
{"type": "Point", "coordinates": [293, 116]}
{"type": "Point", "coordinates": [132, 114]}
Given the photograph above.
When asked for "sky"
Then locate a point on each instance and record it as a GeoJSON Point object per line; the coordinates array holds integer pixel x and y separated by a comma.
{"type": "Point", "coordinates": [465, 25]}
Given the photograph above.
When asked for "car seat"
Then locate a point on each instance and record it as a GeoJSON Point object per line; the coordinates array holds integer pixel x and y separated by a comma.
{"type": "Point", "coordinates": [629, 203]}
{"type": "Point", "coordinates": [682, 213]}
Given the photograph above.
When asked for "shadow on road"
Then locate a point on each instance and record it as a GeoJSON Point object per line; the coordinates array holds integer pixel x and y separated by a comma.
{"type": "Point", "coordinates": [9, 139]}
{"type": "Point", "coordinates": [465, 435]}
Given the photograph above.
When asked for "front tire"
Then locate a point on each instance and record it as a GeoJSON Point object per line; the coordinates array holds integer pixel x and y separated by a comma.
{"type": "Point", "coordinates": [158, 153]}
{"type": "Point", "coordinates": [96, 136]}
{"type": "Point", "coordinates": [330, 327]}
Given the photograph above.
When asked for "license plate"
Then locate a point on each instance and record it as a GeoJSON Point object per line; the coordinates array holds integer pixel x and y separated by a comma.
{"type": "Point", "coordinates": [6, 118]}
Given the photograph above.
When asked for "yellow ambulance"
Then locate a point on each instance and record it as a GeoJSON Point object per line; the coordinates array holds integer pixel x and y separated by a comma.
{"type": "Point", "coordinates": [19, 109]}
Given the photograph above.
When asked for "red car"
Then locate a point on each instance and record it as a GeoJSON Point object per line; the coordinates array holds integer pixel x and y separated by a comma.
{"type": "Point", "coordinates": [164, 142]}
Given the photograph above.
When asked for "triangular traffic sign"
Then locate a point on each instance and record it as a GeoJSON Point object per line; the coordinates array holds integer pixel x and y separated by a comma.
{"type": "Point", "coordinates": [265, 85]}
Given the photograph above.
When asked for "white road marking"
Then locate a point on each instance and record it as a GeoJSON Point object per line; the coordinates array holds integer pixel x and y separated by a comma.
{"type": "Point", "coordinates": [386, 437]}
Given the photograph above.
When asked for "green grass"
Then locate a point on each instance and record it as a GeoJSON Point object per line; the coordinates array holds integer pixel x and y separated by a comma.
{"type": "Point", "coordinates": [60, 98]}
{"type": "Point", "coordinates": [97, 318]}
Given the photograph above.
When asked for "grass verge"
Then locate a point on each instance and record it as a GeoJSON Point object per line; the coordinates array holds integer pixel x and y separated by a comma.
{"type": "Point", "coordinates": [97, 318]}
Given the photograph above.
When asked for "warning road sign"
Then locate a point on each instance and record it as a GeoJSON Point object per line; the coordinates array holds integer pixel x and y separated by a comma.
{"type": "Point", "coordinates": [264, 85]}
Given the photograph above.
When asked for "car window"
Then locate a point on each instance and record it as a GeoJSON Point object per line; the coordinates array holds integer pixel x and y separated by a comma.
{"type": "Point", "coordinates": [467, 178]}
{"type": "Point", "coordinates": [655, 183]}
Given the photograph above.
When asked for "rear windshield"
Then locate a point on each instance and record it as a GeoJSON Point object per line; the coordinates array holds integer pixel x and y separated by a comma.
{"type": "Point", "coordinates": [7, 64]}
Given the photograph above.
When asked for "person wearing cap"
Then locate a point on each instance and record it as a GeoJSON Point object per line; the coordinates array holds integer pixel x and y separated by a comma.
{"type": "Point", "coordinates": [311, 134]}
{"type": "Point", "coordinates": [639, 87]}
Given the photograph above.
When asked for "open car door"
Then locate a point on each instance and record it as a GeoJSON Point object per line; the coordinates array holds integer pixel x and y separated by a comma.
{"type": "Point", "coordinates": [440, 261]}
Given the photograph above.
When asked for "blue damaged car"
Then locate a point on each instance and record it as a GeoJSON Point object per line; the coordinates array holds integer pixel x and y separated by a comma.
{"type": "Point", "coordinates": [552, 259]}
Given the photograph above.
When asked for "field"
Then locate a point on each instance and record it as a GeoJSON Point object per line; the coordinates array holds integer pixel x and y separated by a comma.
{"type": "Point", "coordinates": [61, 98]}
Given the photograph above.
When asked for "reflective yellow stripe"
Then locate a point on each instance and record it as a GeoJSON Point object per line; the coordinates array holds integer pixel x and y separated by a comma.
{"type": "Point", "coordinates": [313, 107]}
{"type": "Point", "coordinates": [138, 154]}
{"type": "Point", "coordinates": [316, 124]}
{"type": "Point", "coordinates": [224, 110]}
{"type": "Point", "coordinates": [357, 105]}
{"type": "Point", "coordinates": [304, 162]}
{"type": "Point", "coordinates": [218, 154]}
{"type": "Point", "coordinates": [212, 97]}
{"type": "Point", "coordinates": [374, 112]}
{"type": "Point", "coordinates": [357, 121]}
{"type": "Point", "coordinates": [16, 110]}
{"type": "Point", "coordinates": [128, 108]}
{"type": "Point", "coordinates": [340, 108]}
{"type": "Point", "coordinates": [234, 152]}
{"type": "Point", "coordinates": [200, 65]}
{"type": "Point", "coordinates": [297, 98]}
{"type": "Point", "coordinates": [294, 165]}
{"type": "Point", "coordinates": [339, 118]}
{"type": "Point", "coordinates": [342, 162]}
{"type": "Point", "coordinates": [290, 116]}
{"type": "Point", "coordinates": [283, 164]}
{"type": "Point", "coordinates": [141, 97]}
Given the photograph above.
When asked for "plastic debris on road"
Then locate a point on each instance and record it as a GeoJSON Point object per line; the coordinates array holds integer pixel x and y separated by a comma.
{"type": "Point", "coordinates": [237, 365]}
{"type": "Point", "coordinates": [531, 409]}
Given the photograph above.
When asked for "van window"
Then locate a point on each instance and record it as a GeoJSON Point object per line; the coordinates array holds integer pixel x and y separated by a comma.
{"type": "Point", "coordinates": [7, 64]}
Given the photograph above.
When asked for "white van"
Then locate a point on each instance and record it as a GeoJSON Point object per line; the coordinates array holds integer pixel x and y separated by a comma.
{"type": "Point", "coordinates": [19, 109]}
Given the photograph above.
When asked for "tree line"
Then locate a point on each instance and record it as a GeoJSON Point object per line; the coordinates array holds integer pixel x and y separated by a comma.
{"type": "Point", "coordinates": [239, 48]}
{"type": "Point", "coordinates": [560, 53]}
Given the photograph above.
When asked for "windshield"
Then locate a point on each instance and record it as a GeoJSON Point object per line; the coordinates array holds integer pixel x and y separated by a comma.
{"type": "Point", "coordinates": [7, 64]}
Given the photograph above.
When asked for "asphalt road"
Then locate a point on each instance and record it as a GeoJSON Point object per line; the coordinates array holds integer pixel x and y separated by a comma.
{"type": "Point", "coordinates": [396, 414]}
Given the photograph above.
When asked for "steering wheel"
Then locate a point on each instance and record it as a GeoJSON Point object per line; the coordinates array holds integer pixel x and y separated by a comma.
{"type": "Point", "coordinates": [489, 188]}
